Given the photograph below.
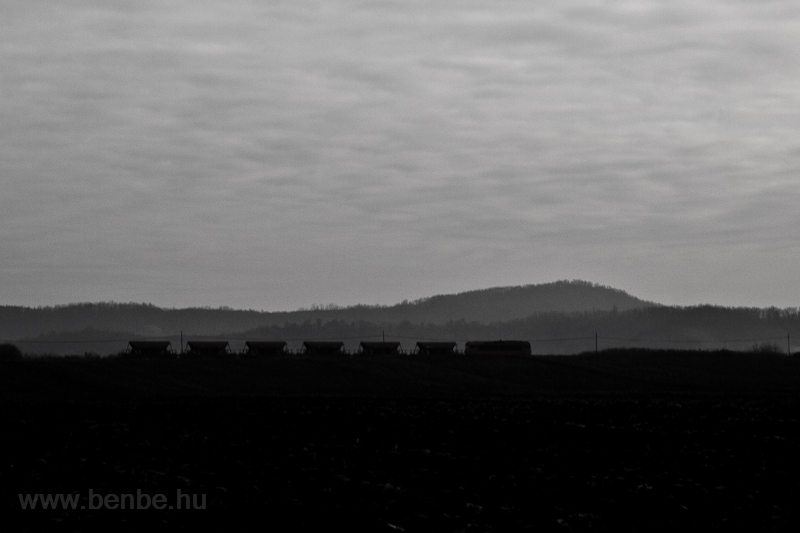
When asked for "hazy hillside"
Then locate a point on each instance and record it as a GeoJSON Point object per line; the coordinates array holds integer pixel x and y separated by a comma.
{"type": "Point", "coordinates": [501, 304]}
{"type": "Point", "coordinates": [702, 327]}
{"type": "Point", "coordinates": [698, 327]}
{"type": "Point", "coordinates": [558, 318]}
{"type": "Point", "coordinates": [483, 306]}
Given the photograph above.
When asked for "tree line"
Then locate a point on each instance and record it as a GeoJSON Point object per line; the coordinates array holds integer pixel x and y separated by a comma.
{"type": "Point", "coordinates": [699, 327]}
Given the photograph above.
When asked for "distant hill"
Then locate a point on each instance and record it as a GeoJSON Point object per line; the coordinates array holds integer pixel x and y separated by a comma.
{"type": "Point", "coordinates": [501, 304]}
{"type": "Point", "coordinates": [485, 306]}
{"type": "Point", "coordinates": [498, 304]}
{"type": "Point", "coordinates": [557, 318]}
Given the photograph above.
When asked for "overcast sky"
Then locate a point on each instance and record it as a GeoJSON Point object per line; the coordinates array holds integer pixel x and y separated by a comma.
{"type": "Point", "coordinates": [278, 154]}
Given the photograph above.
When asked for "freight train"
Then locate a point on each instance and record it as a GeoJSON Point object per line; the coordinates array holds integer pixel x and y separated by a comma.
{"type": "Point", "coordinates": [201, 349]}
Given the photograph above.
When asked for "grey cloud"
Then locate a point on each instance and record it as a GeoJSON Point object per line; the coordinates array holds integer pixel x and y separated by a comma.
{"type": "Point", "coordinates": [159, 136]}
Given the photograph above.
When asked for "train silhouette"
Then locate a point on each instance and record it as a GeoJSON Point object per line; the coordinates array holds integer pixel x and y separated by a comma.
{"type": "Point", "coordinates": [222, 349]}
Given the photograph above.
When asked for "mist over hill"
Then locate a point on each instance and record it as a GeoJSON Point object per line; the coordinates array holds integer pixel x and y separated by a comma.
{"type": "Point", "coordinates": [558, 318]}
{"type": "Point", "coordinates": [501, 304]}
{"type": "Point", "coordinates": [702, 327]}
{"type": "Point", "coordinates": [483, 306]}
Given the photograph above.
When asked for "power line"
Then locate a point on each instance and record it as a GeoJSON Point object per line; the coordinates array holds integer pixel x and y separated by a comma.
{"type": "Point", "coordinates": [404, 337]}
{"type": "Point", "coordinates": [689, 341]}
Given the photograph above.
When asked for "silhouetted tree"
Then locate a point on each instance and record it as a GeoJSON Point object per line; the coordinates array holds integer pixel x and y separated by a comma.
{"type": "Point", "coordinates": [9, 352]}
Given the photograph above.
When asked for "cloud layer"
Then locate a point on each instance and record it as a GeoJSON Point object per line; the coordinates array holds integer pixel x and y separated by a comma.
{"type": "Point", "coordinates": [278, 154]}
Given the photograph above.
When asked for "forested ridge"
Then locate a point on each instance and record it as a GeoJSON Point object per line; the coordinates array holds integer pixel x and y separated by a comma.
{"type": "Point", "coordinates": [106, 328]}
{"type": "Point", "coordinates": [484, 306]}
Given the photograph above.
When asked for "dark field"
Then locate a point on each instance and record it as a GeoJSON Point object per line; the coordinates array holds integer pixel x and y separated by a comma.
{"type": "Point", "coordinates": [613, 442]}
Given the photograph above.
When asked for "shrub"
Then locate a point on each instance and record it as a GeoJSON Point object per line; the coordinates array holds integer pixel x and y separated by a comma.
{"type": "Point", "coordinates": [9, 352]}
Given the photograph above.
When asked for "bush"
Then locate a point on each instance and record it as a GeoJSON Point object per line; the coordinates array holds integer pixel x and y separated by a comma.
{"type": "Point", "coordinates": [9, 352]}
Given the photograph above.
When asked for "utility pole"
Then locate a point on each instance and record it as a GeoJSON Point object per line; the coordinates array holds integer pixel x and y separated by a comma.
{"type": "Point", "coordinates": [788, 345]}
{"type": "Point", "coordinates": [181, 342]}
